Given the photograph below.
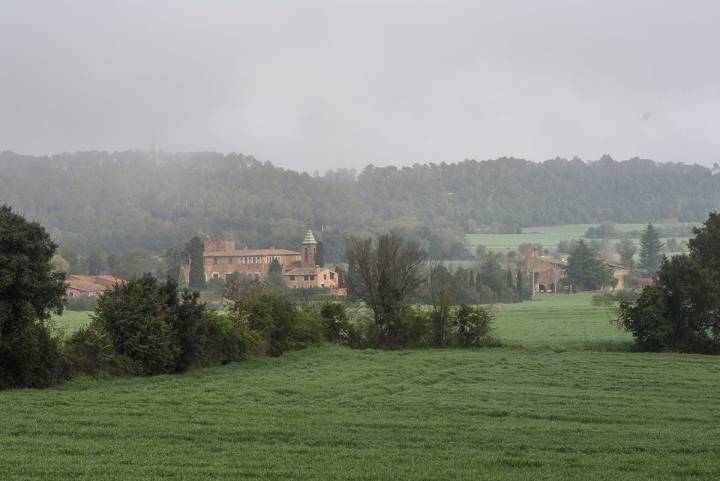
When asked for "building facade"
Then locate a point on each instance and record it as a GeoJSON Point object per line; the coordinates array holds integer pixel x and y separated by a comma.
{"type": "Point", "coordinates": [299, 269]}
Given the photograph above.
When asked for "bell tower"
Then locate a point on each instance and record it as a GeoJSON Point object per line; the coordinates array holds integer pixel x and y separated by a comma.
{"type": "Point", "coordinates": [309, 249]}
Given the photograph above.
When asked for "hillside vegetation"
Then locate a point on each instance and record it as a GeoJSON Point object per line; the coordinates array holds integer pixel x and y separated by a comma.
{"type": "Point", "coordinates": [128, 200]}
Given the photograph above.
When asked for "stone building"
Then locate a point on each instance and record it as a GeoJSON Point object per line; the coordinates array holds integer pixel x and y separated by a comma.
{"type": "Point", "coordinates": [89, 286]}
{"type": "Point", "coordinates": [549, 273]}
{"type": "Point", "coordinates": [299, 269]}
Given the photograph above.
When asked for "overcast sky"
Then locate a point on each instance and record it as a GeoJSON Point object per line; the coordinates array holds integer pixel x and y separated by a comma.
{"type": "Point", "coordinates": [322, 84]}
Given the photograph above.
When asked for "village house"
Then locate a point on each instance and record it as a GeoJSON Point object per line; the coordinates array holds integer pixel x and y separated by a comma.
{"type": "Point", "coordinates": [299, 269]}
{"type": "Point", "coordinates": [89, 286]}
{"type": "Point", "coordinates": [549, 273]}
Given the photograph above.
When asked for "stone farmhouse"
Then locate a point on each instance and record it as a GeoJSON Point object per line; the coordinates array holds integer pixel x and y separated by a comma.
{"type": "Point", "coordinates": [549, 273]}
{"type": "Point", "coordinates": [221, 258]}
{"type": "Point", "coordinates": [89, 286]}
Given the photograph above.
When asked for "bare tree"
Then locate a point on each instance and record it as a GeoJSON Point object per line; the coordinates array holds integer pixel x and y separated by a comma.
{"type": "Point", "coordinates": [384, 273]}
{"type": "Point", "coordinates": [444, 289]}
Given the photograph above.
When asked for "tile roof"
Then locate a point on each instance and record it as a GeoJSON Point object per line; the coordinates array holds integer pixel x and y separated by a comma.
{"type": "Point", "coordinates": [252, 252]}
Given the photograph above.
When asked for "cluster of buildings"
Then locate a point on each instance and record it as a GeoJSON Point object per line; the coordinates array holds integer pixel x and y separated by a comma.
{"type": "Point", "coordinates": [299, 269]}
{"type": "Point", "coordinates": [549, 273]}
{"type": "Point", "coordinates": [89, 286]}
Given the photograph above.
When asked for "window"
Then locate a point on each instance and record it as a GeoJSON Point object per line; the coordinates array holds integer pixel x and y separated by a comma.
{"type": "Point", "coordinates": [312, 278]}
{"type": "Point", "coordinates": [324, 277]}
{"type": "Point", "coordinates": [216, 275]}
{"type": "Point", "coordinates": [215, 260]}
{"type": "Point", "coordinates": [332, 275]}
{"type": "Point", "coordinates": [307, 278]}
{"type": "Point", "coordinates": [292, 278]}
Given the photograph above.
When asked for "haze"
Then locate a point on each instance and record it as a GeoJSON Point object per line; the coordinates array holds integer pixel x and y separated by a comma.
{"type": "Point", "coordinates": [317, 85]}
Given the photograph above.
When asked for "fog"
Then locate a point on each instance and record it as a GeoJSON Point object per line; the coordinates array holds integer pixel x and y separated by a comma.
{"type": "Point", "coordinates": [316, 85]}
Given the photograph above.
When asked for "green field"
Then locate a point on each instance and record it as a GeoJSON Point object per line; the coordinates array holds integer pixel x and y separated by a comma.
{"type": "Point", "coordinates": [548, 406]}
{"type": "Point", "coordinates": [70, 321]}
{"type": "Point", "coordinates": [548, 236]}
{"type": "Point", "coordinates": [336, 414]}
{"type": "Point", "coordinates": [559, 322]}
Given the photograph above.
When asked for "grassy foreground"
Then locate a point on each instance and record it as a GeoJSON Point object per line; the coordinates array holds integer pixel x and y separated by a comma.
{"type": "Point", "coordinates": [335, 414]}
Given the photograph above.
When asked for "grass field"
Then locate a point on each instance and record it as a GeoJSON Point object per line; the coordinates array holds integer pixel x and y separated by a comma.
{"type": "Point", "coordinates": [335, 414]}
{"type": "Point", "coordinates": [548, 406]}
{"type": "Point", "coordinates": [559, 322]}
{"type": "Point", "coordinates": [548, 236]}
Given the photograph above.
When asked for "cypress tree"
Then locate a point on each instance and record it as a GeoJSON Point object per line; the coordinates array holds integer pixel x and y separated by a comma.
{"type": "Point", "coordinates": [194, 250]}
{"type": "Point", "coordinates": [320, 254]}
{"type": "Point", "coordinates": [650, 250]}
{"type": "Point", "coordinates": [519, 285]}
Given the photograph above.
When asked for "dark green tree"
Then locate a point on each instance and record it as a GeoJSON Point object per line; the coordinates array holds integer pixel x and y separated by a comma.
{"type": "Point", "coordinates": [30, 291]}
{"type": "Point", "coordinates": [275, 278]}
{"type": "Point", "coordinates": [95, 263]}
{"type": "Point", "coordinates": [520, 285]}
{"type": "Point", "coordinates": [626, 248]}
{"type": "Point", "coordinates": [587, 270]}
{"type": "Point", "coordinates": [320, 254]}
{"type": "Point", "coordinates": [651, 256]}
{"type": "Point", "coordinates": [137, 317]}
{"type": "Point", "coordinates": [194, 251]}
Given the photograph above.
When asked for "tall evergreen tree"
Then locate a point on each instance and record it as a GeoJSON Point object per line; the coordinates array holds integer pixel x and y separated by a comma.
{"type": "Point", "coordinates": [627, 249]}
{"type": "Point", "coordinates": [96, 263]}
{"type": "Point", "coordinates": [320, 254]}
{"type": "Point", "coordinates": [651, 256]}
{"type": "Point", "coordinates": [194, 250]}
{"type": "Point", "coordinates": [586, 269]}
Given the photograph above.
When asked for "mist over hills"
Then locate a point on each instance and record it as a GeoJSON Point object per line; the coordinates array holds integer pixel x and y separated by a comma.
{"type": "Point", "coordinates": [156, 200]}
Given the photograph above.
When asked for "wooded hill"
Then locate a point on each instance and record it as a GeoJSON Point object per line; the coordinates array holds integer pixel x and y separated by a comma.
{"type": "Point", "coordinates": [126, 200]}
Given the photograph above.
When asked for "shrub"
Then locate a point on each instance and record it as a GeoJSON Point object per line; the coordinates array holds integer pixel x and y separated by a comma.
{"type": "Point", "coordinates": [136, 317]}
{"type": "Point", "coordinates": [472, 326]}
{"type": "Point", "coordinates": [90, 351]}
{"type": "Point", "coordinates": [336, 327]}
{"type": "Point", "coordinates": [225, 340]}
{"type": "Point", "coordinates": [281, 325]}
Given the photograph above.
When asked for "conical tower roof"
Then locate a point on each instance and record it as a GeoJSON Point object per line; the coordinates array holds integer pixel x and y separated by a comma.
{"type": "Point", "coordinates": [309, 238]}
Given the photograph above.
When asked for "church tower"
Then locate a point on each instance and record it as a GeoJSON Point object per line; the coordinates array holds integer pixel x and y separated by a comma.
{"type": "Point", "coordinates": [309, 249]}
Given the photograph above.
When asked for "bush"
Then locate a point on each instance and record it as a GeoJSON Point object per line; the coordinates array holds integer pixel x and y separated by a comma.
{"type": "Point", "coordinates": [336, 327]}
{"type": "Point", "coordinates": [472, 326]}
{"type": "Point", "coordinates": [89, 351]}
{"type": "Point", "coordinates": [31, 357]}
{"type": "Point", "coordinates": [136, 316]}
{"type": "Point", "coordinates": [224, 340]}
{"type": "Point", "coordinates": [281, 325]}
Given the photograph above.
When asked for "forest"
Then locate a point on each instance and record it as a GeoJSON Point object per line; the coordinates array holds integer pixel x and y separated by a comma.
{"type": "Point", "coordinates": [115, 202]}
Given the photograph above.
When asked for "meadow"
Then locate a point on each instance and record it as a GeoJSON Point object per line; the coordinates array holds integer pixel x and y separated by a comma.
{"type": "Point", "coordinates": [332, 413]}
{"type": "Point", "coordinates": [547, 236]}
{"type": "Point", "coordinates": [548, 406]}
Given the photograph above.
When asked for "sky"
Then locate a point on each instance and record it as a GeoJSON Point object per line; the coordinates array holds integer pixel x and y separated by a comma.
{"type": "Point", "coordinates": [315, 85]}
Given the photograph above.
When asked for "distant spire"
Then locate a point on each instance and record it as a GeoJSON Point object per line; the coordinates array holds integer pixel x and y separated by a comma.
{"type": "Point", "coordinates": [309, 238]}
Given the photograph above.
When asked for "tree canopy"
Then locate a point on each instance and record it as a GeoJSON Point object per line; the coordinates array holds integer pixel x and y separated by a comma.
{"type": "Point", "coordinates": [121, 201]}
{"type": "Point", "coordinates": [30, 291]}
